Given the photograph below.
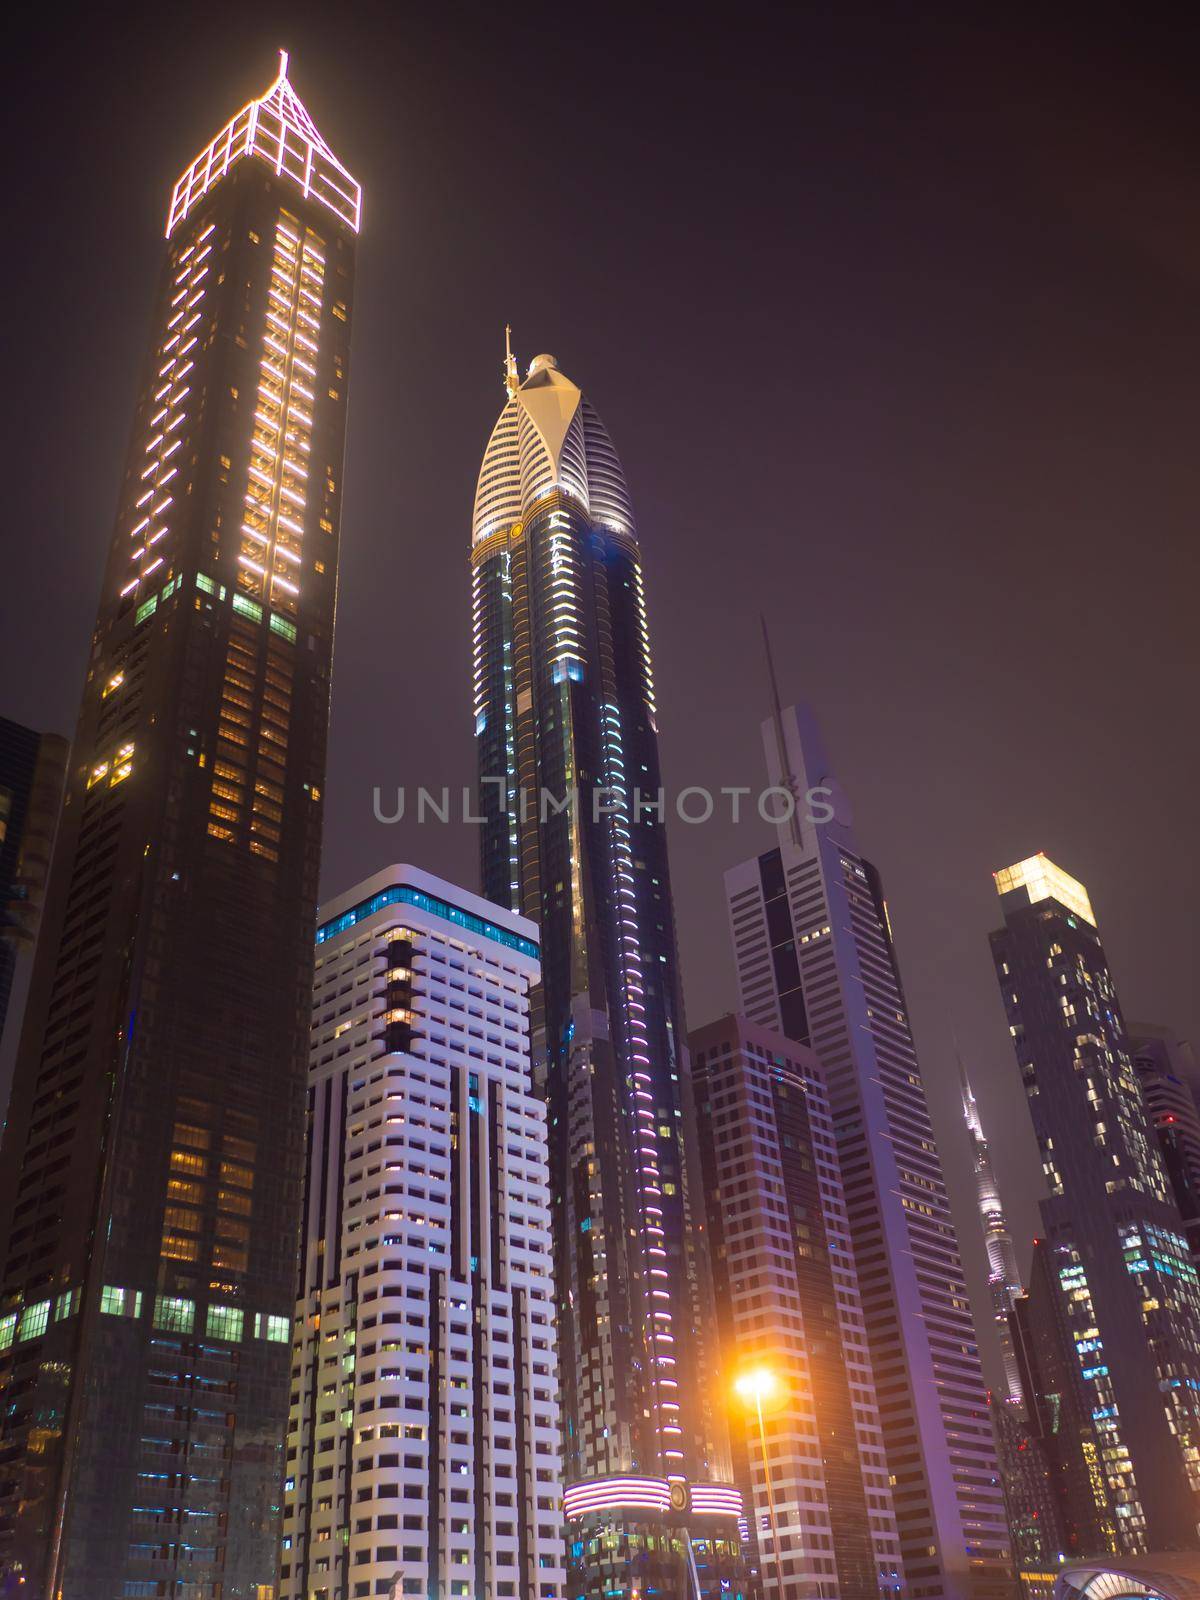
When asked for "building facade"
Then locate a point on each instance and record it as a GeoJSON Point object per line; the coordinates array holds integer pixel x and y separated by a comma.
{"type": "Point", "coordinates": [1109, 1217]}
{"type": "Point", "coordinates": [788, 1306]}
{"type": "Point", "coordinates": [1060, 1411]}
{"type": "Point", "coordinates": [150, 1177]}
{"type": "Point", "coordinates": [423, 1448]}
{"type": "Point", "coordinates": [1170, 1082]}
{"type": "Point", "coordinates": [815, 961]}
{"type": "Point", "coordinates": [566, 732]}
{"type": "Point", "coordinates": [1033, 1523]}
{"type": "Point", "coordinates": [32, 770]}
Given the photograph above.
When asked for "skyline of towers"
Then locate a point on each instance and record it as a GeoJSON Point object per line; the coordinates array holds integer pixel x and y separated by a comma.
{"type": "Point", "coordinates": [788, 1307]}
{"type": "Point", "coordinates": [152, 1165]}
{"type": "Point", "coordinates": [1116, 1247]}
{"type": "Point", "coordinates": [564, 708]}
{"type": "Point", "coordinates": [815, 961]}
{"type": "Point", "coordinates": [151, 1168]}
{"type": "Point", "coordinates": [424, 1436]}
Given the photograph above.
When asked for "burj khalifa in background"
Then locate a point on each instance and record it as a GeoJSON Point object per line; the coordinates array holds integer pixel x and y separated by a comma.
{"type": "Point", "coordinates": [567, 740]}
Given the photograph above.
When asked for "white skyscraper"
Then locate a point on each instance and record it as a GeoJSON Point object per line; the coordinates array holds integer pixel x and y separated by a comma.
{"type": "Point", "coordinates": [815, 961]}
{"type": "Point", "coordinates": [423, 1446]}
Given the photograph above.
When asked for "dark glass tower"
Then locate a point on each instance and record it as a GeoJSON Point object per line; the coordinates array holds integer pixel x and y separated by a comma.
{"type": "Point", "coordinates": [1114, 1236]}
{"type": "Point", "coordinates": [32, 766]}
{"type": "Point", "coordinates": [151, 1170]}
{"type": "Point", "coordinates": [564, 704]}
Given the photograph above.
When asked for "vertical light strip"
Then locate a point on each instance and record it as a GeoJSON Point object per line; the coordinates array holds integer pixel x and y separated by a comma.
{"type": "Point", "coordinates": [658, 1318]}
{"type": "Point", "coordinates": [281, 441]}
{"type": "Point", "coordinates": [151, 519]}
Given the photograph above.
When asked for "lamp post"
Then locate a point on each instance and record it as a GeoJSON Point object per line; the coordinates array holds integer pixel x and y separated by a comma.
{"type": "Point", "coordinates": [762, 1389]}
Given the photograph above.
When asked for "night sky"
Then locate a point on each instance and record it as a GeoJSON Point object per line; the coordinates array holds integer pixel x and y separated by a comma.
{"type": "Point", "coordinates": [894, 324]}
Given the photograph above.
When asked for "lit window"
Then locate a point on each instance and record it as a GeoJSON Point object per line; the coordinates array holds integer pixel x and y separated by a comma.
{"type": "Point", "coordinates": [174, 1315]}
{"type": "Point", "coordinates": [277, 1329]}
{"type": "Point", "coordinates": [120, 1302]}
{"type": "Point", "coordinates": [34, 1320]}
{"type": "Point", "coordinates": [224, 1322]}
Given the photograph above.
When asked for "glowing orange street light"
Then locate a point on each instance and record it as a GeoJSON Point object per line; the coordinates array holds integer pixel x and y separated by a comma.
{"type": "Point", "coordinates": [762, 1390]}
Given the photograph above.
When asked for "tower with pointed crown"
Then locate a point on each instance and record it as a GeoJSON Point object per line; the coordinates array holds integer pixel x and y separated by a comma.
{"type": "Point", "coordinates": [566, 732]}
{"type": "Point", "coordinates": [150, 1176]}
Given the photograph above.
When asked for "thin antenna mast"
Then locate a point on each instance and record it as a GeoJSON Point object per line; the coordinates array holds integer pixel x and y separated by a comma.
{"type": "Point", "coordinates": [786, 766]}
{"type": "Point", "coordinates": [512, 378]}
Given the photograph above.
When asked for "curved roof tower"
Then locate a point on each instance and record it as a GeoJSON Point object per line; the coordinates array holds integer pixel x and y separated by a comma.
{"type": "Point", "coordinates": [549, 436]}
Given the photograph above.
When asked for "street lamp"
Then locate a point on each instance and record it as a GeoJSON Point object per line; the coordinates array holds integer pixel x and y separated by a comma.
{"type": "Point", "coordinates": [763, 1390]}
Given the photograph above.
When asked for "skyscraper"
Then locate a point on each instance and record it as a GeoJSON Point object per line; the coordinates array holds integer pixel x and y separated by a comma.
{"type": "Point", "coordinates": [566, 732]}
{"type": "Point", "coordinates": [1166, 1069]}
{"type": "Point", "coordinates": [1004, 1277]}
{"type": "Point", "coordinates": [1111, 1225]}
{"type": "Point", "coordinates": [1049, 1322]}
{"type": "Point", "coordinates": [1033, 1521]}
{"type": "Point", "coordinates": [791, 1318]}
{"type": "Point", "coordinates": [32, 769]}
{"type": "Point", "coordinates": [815, 961]}
{"type": "Point", "coordinates": [424, 1437]}
{"type": "Point", "coordinates": [151, 1171]}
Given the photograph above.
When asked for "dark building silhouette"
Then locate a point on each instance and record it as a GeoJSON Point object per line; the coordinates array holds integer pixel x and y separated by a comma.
{"type": "Point", "coordinates": [1170, 1080]}
{"type": "Point", "coordinates": [566, 734]}
{"type": "Point", "coordinates": [150, 1178]}
{"type": "Point", "coordinates": [32, 768]}
{"type": "Point", "coordinates": [1113, 1233]}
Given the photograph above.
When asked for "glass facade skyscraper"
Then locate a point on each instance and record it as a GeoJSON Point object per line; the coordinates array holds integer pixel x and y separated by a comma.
{"type": "Point", "coordinates": [813, 1474]}
{"type": "Point", "coordinates": [150, 1178]}
{"type": "Point", "coordinates": [1114, 1234]}
{"type": "Point", "coordinates": [815, 961]}
{"type": "Point", "coordinates": [566, 730]}
{"type": "Point", "coordinates": [32, 768]}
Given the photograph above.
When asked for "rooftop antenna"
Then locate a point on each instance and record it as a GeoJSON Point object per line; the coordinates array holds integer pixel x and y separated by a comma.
{"type": "Point", "coordinates": [789, 776]}
{"type": "Point", "coordinates": [512, 379]}
{"type": "Point", "coordinates": [283, 66]}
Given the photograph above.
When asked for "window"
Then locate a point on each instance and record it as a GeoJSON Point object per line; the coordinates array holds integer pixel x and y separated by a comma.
{"type": "Point", "coordinates": [34, 1320]}
{"type": "Point", "coordinates": [120, 1302]}
{"type": "Point", "coordinates": [173, 1315]}
{"type": "Point", "coordinates": [277, 1329]}
{"type": "Point", "coordinates": [224, 1322]}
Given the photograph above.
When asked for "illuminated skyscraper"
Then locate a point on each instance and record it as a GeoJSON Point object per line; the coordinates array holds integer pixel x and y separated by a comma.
{"type": "Point", "coordinates": [1033, 1521]}
{"type": "Point", "coordinates": [1113, 1231]}
{"type": "Point", "coordinates": [423, 1449]}
{"type": "Point", "coordinates": [150, 1179]}
{"type": "Point", "coordinates": [1004, 1278]}
{"type": "Point", "coordinates": [564, 701]}
{"type": "Point", "coordinates": [789, 1307]}
{"type": "Point", "coordinates": [816, 962]}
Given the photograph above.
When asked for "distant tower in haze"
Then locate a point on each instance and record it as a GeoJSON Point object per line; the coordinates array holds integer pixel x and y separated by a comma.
{"type": "Point", "coordinates": [566, 734]}
{"type": "Point", "coordinates": [1004, 1278]}
{"type": "Point", "coordinates": [150, 1177]}
{"type": "Point", "coordinates": [1114, 1237]}
{"type": "Point", "coordinates": [815, 961]}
